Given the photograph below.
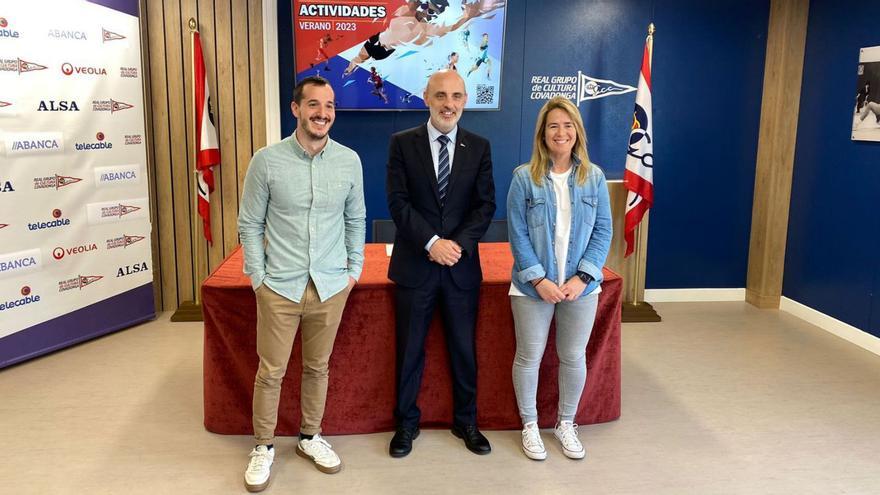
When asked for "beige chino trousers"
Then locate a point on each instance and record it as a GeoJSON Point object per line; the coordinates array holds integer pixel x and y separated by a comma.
{"type": "Point", "coordinates": [278, 319]}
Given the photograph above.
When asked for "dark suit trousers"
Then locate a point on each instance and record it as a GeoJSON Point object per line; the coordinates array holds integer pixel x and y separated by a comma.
{"type": "Point", "coordinates": [415, 309]}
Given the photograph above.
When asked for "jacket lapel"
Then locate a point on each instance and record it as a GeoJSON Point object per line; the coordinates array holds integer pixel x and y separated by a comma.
{"type": "Point", "coordinates": [461, 157]}
{"type": "Point", "coordinates": [423, 147]}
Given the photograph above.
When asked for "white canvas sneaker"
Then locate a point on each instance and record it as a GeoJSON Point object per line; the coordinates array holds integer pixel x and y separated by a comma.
{"type": "Point", "coordinates": [532, 445]}
{"type": "Point", "coordinates": [567, 434]}
{"type": "Point", "coordinates": [256, 478]}
{"type": "Point", "coordinates": [321, 453]}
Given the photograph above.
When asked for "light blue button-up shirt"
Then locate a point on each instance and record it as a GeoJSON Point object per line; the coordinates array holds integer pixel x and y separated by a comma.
{"type": "Point", "coordinates": [531, 227]}
{"type": "Point", "coordinates": [302, 218]}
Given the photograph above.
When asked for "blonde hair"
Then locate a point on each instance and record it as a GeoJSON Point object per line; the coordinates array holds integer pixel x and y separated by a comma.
{"type": "Point", "coordinates": [539, 164]}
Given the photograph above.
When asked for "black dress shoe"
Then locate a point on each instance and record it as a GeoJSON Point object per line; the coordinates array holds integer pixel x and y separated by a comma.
{"type": "Point", "coordinates": [401, 443]}
{"type": "Point", "coordinates": [473, 439]}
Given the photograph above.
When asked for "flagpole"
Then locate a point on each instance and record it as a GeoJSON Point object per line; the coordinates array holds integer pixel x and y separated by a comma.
{"type": "Point", "coordinates": [194, 28]}
{"type": "Point", "coordinates": [636, 300]}
{"type": "Point", "coordinates": [192, 310]}
{"type": "Point", "coordinates": [638, 310]}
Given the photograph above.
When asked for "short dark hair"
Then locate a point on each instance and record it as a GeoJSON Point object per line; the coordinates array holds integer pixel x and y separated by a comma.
{"type": "Point", "coordinates": [298, 89]}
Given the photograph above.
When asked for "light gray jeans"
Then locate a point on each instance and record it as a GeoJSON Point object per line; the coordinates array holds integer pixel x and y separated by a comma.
{"type": "Point", "coordinates": [574, 323]}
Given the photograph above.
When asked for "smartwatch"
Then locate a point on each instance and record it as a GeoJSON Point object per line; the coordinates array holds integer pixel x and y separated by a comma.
{"type": "Point", "coordinates": [584, 276]}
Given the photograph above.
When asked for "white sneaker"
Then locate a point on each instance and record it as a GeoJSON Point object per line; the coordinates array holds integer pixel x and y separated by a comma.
{"type": "Point", "coordinates": [567, 434]}
{"type": "Point", "coordinates": [256, 478]}
{"type": "Point", "coordinates": [321, 453]}
{"type": "Point", "coordinates": [532, 445]}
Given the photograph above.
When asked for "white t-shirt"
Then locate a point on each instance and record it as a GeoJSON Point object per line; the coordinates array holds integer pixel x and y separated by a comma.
{"type": "Point", "coordinates": [562, 230]}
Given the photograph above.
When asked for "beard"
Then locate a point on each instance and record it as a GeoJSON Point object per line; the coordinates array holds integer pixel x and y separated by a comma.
{"type": "Point", "coordinates": [312, 134]}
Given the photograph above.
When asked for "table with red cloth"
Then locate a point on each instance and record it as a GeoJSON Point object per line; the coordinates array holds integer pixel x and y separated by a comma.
{"type": "Point", "coordinates": [361, 393]}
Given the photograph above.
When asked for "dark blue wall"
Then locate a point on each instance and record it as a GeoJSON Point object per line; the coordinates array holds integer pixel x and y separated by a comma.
{"type": "Point", "coordinates": [708, 74]}
{"type": "Point", "coordinates": [831, 261]}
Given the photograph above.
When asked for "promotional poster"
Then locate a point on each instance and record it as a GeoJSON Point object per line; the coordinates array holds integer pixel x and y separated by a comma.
{"type": "Point", "coordinates": [378, 54]}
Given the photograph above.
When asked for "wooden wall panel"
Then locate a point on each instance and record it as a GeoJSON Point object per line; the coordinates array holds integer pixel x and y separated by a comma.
{"type": "Point", "coordinates": [158, 138]}
{"type": "Point", "coordinates": [258, 87]}
{"type": "Point", "coordinates": [231, 34]}
{"type": "Point", "coordinates": [242, 84]}
{"type": "Point", "coordinates": [207, 30]}
{"type": "Point", "coordinates": [180, 171]}
{"type": "Point", "coordinates": [226, 105]}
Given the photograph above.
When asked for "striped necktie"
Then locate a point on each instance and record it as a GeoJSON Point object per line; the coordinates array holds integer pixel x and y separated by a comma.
{"type": "Point", "coordinates": [443, 168]}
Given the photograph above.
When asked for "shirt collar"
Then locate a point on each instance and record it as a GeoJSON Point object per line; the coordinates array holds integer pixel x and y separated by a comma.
{"type": "Point", "coordinates": [433, 133]}
{"type": "Point", "coordinates": [575, 163]}
{"type": "Point", "coordinates": [298, 148]}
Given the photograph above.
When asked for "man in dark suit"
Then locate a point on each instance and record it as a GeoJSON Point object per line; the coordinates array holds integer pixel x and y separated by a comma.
{"type": "Point", "coordinates": [441, 195]}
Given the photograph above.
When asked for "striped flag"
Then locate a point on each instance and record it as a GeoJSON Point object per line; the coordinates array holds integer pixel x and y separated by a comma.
{"type": "Point", "coordinates": [639, 175]}
{"type": "Point", "coordinates": [207, 149]}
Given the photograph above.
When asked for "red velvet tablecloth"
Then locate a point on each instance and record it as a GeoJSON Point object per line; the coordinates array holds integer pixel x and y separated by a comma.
{"type": "Point", "coordinates": [361, 392]}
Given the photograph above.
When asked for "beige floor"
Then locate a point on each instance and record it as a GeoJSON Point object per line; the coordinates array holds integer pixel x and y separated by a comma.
{"type": "Point", "coordinates": [720, 398]}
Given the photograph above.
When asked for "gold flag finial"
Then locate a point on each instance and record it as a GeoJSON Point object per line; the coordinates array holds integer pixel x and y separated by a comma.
{"type": "Point", "coordinates": [651, 29]}
{"type": "Point", "coordinates": [193, 25]}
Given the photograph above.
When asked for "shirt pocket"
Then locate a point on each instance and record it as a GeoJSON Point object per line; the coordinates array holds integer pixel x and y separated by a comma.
{"type": "Point", "coordinates": [536, 213]}
{"type": "Point", "coordinates": [336, 192]}
{"type": "Point", "coordinates": [588, 205]}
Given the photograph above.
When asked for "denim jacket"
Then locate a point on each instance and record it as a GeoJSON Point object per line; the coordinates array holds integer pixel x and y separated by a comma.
{"type": "Point", "coordinates": [531, 225]}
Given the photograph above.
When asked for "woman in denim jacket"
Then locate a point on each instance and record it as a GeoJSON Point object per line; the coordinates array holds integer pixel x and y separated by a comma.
{"type": "Point", "coordinates": [559, 225]}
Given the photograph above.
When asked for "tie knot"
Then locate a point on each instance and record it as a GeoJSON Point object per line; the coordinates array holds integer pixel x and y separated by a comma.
{"type": "Point", "coordinates": [444, 139]}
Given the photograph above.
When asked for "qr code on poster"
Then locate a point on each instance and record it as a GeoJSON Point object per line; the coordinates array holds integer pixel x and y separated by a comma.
{"type": "Point", "coordinates": [485, 94]}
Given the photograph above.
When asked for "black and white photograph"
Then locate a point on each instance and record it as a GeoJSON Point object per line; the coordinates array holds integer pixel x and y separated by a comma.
{"type": "Point", "coordinates": [866, 116]}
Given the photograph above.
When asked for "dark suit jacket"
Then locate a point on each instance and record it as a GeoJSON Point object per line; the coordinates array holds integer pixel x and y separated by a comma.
{"type": "Point", "coordinates": [414, 203]}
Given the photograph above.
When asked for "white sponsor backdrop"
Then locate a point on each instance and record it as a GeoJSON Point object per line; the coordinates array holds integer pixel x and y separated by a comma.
{"type": "Point", "coordinates": [74, 210]}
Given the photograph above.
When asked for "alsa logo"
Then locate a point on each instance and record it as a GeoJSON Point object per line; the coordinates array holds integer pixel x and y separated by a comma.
{"type": "Point", "coordinates": [119, 210]}
{"type": "Point", "coordinates": [59, 252]}
{"type": "Point", "coordinates": [59, 221]}
{"type": "Point", "coordinates": [54, 182]}
{"type": "Point", "coordinates": [58, 106]}
{"type": "Point", "coordinates": [110, 105]}
{"type": "Point", "coordinates": [27, 298]}
{"type": "Point", "coordinates": [5, 104]}
{"type": "Point", "coordinates": [124, 241]}
{"type": "Point", "coordinates": [131, 269]}
{"type": "Point", "coordinates": [19, 65]}
{"type": "Point", "coordinates": [78, 283]}
{"type": "Point", "coordinates": [110, 36]}
{"type": "Point", "coordinates": [5, 32]}
{"type": "Point", "coordinates": [63, 34]}
{"type": "Point", "coordinates": [100, 145]}
{"type": "Point", "coordinates": [6, 186]}
{"type": "Point", "coordinates": [69, 69]}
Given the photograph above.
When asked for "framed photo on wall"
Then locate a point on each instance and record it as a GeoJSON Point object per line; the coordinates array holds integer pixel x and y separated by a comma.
{"type": "Point", "coordinates": [866, 116]}
{"type": "Point", "coordinates": [378, 54]}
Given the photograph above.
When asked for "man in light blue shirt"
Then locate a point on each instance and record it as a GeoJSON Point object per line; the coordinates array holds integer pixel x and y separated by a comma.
{"type": "Point", "coordinates": [302, 223]}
